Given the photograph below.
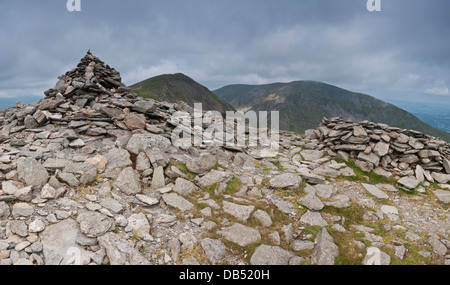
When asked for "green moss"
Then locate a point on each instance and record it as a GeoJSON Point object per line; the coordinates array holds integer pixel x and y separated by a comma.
{"type": "Point", "coordinates": [233, 186]}
{"type": "Point", "coordinates": [353, 214]}
{"type": "Point", "coordinates": [349, 253]}
{"type": "Point", "coordinates": [182, 167]}
{"type": "Point", "coordinates": [312, 230]}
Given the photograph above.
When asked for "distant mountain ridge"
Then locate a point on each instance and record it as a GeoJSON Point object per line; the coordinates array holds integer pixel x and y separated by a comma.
{"type": "Point", "coordinates": [179, 87]}
{"type": "Point", "coordinates": [303, 104]}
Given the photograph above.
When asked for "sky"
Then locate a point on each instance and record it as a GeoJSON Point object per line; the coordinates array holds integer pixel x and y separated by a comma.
{"type": "Point", "coordinates": [401, 52]}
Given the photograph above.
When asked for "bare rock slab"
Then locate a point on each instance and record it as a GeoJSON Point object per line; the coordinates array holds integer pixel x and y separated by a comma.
{"type": "Point", "coordinates": [241, 212]}
{"type": "Point", "coordinates": [128, 181]}
{"type": "Point", "coordinates": [375, 191]}
{"type": "Point", "coordinates": [202, 163]}
{"type": "Point", "coordinates": [60, 245]}
{"type": "Point", "coordinates": [214, 249]}
{"type": "Point", "coordinates": [285, 180]}
{"type": "Point", "coordinates": [375, 256]}
{"type": "Point", "coordinates": [408, 183]}
{"type": "Point", "coordinates": [240, 234]}
{"type": "Point", "coordinates": [177, 201]}
{"type": "Point", "coordinates": [443, 195]}
{"type": "Point", "coordinates": [119, 251]}
{"type": "Point", "coordinates": [94, 224]}
{"type": "Point", "coordinates": [32, 172]}
{"type": "Point", "coordinates": [313, 219]}
{"type": "Point", "coordinates": [325, 250]}
{"type": "Point", "coordinates": [270, 255]}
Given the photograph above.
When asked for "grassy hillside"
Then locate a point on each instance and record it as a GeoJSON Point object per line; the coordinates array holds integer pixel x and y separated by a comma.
{"type": "Point", "coordinates": [303, 104]}
{"type": "Point", "coordinates": [179, 87]}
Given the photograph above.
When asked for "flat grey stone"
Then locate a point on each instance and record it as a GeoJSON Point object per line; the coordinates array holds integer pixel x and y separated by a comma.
{"type": "Point", "coordinates": [446, 164]}
{"type": "Point", "coordinates": [338, 201]}
{"type": "Point", "coordinates": [214, 250]}
{"type": "Point", "coordinates": [69, 179]}
{"type": "Point", "coordinates": [311, 155]}
{"type": "Point", "coordinates": [325, 251]}
{"type": "Point", "coordinates": [60, 245]}
{"type": "Point", "coordinates": [381, 149]}
{"type": "Point", "coordinates": [128, 181]}
{"type": "Point", "coordinates": [298, 245]}
{"type": "Point", "coordinates": [184, 187]}
{"type": "Point", "coordinates": [112, 204]}
{"type": "Point", "coordinates": [240, 234]}
{"type": "Point", "coordinates": [9, 188]}
{"type": "Point", "coordinates": [442, 195]}
{"type": "Point", "coordinates": [441, 177]}
{"type": "Point", "coordinates": [437, 246]}
{"type": "Point", "coordinates": [387, 187]}
{"type": "Point", "coordinates": [94, 224]}
{"type": "Point", "coordinates": [286, 180]}
{"type": "Point", "coordinates": [374, 256]}
{"type": "Point", "coordinates": [284, 206]}
{"type": "Point", "coordinates": [22, 210]}
{"type": "Point", "coordinates": [263, 218]}
{"type": "Point", "coordinates": [19, 227]}
{"type": "Point", "coordinates": [408, 183]}
{"type": "Point", "coordinates": [4, 210]}
{"type": "Point", "coordinates": [147, 200]}
{"type": "Point", "coordinates": [311, 202]}
{"type": "Point", "coordinates": [202, 163]}
{"type": "Point", "coordinates": [117, 158]}
{"type": "Point", "coordinates": [313, 219]}
{"type": "Point", "coordinates": [241, 212]}
{"type": "Point", "coordinates": [212, 177]}
{"type": "Point", "coordinates": [86, 171]}
{"type": "Point", "coordinates": [139, 224]}
{"type": "Point", "coordinates": [177, 201]}
{"type": "Point", "coordinates": [389, 209]}
{"type": "Point", "coordinates": [310, 177]}
{"type": "Point", "coordinates": [32, 172]}
{"type": "Point", "coordinates": [375, 191]}
{"type": "Point", "coordinates": [24, 194]}
{"type": "Point", "coordinates": [371, 157]}
{"type": "Point", "coordinates": [119, 251]}
{"type": "Point", "coordinates": [139, 142]}
{"type": "Point", "coordinates": [158, 180]}
{"type": "Point", "coordinates": [270, 255]}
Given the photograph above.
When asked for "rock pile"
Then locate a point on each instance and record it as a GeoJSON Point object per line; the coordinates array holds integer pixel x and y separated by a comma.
{"type": "Point", "coordinates": [388, 151]}
{"type": "Point", "coordinates": [89, 175]}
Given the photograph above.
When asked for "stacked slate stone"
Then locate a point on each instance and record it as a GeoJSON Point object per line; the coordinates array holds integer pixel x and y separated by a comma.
{"type": "Point", "coordinates": [88, 100]}
{"type": "Point", "coordinates": [90, 78]}
{"type": "Point", "coordinates": [387, 150]}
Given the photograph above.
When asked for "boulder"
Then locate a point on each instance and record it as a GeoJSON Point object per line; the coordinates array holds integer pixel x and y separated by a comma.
{"type": "Point", "coordinates": [325, 250]}
{"type": "Point", "coordinates": [31, 172]}
{"type": "Point", "coordinates": [202, 164]}
{"type": "Point", "coordinates": [270, 255]}
{"type": "Point", "coordinates": [128, 181]}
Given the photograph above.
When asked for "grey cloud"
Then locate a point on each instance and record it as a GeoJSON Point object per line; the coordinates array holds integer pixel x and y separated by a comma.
{"type": "Point", "coordinates": [403, 48]}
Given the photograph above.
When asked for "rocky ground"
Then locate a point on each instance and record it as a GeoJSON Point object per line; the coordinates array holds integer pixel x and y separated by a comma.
{"type": "Point", "coordinates": [90, 176]}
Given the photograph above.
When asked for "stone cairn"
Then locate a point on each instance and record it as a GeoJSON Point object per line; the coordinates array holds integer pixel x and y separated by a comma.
{"type": "Point", "coordinates": [89, 175]}
{"type": "Point", "coordinates": [388, 151]}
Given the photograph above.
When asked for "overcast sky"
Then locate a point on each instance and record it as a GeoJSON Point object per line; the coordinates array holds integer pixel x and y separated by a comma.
{"type": "Point", "coordinates": [402, 52]}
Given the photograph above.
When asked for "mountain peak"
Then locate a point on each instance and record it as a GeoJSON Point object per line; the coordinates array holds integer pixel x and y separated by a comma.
{"type": "Point", "coordinates": [180, 87]}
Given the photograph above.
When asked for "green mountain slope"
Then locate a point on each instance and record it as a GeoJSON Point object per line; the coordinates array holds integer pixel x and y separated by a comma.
{"type": "Point", "coordinates": [303, 104]}
{"type": "Point", "coordinates": [179, 87]}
